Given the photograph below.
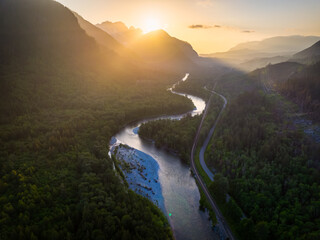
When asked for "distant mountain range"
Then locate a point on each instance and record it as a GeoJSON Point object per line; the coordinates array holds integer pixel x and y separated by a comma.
{"type": "Point", "coordinates": [120, 31]}
{"type": "Point", "coordinates": [277, 74]}
{"type": "Point", "coordinates": [251, 55]}
{"type": "Point", "coordinates": [108, 42]}
{"type": "Point", "coordinates": [52, 32]}
{"type": "Point", "coordinates": [67, 36]}
{"type": "Point", "coordinates": [289, 44]}
{"type": "Point", "coordinates": [157, 48]}
{"type": "Point", "coordinates": [101, 37]}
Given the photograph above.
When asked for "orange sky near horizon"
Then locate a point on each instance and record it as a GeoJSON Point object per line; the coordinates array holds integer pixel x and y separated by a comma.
{"type": "Point", "coordinates": [208, 25]}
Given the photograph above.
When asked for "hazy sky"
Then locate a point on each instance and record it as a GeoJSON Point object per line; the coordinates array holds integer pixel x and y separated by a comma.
{"type": "Point", "coordinates": [209, 25]}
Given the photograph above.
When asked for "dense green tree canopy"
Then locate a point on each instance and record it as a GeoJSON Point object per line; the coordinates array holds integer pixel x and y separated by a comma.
{"type": "Point", "coordinates": [272, 170]}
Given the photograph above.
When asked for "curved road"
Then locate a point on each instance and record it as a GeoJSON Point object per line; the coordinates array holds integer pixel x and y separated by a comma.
{"type": "Point", "coordinates": [206, 142]}
{"type": "Point", "coordinates": [223, 226]}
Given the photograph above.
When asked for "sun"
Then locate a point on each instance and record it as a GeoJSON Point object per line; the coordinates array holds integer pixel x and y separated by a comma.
{"type": "Point", "coordinates": [150, 24]}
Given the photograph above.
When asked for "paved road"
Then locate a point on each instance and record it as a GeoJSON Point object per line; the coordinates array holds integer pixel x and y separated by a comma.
{"type": "Point", "coordinates": [223, 226]}
{"type": "Point", "coordinates": [207, 140]}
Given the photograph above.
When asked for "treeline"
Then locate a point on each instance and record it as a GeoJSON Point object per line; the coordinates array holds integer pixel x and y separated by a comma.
{"type": "Point", "coordinates": [235, 82]}
{"type": "Point", "coordinates": [176, 135]}
{"type": "Point", "coordinates": [304, 88]}
{"type": "Point", "coordinates": [269, 168]}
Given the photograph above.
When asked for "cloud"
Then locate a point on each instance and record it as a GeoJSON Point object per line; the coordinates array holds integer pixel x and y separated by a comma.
{"type": "Point", "coordinates": [197, 26]}
{"type": "Point", "coordinates": [202, 26]}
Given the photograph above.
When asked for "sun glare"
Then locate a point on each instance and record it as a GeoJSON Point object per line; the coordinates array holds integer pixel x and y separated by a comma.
{"type": "Point", "coordinates": [151, 24]}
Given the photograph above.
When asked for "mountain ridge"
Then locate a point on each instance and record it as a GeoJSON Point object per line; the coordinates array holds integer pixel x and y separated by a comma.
{"type": "Point", "coordinates": [59, 36]}
{"type": "Point", "coordinates": [290, 43]}
{"type": "Point", "coordinates": [282, 47]}
{"type": "Point", "coordinates": [99, 35]}
{"type": "Point", "coordinates": [120, 31]}
{"type": "Point", "coordinates": [309, 55]}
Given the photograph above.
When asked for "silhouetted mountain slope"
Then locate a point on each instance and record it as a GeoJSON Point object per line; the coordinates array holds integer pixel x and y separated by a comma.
{"type": "Point", "coordinates": [45, 29]}
{"type": "Point", "coordinates": [277, 73]}
{"type": "Point", "coordinates": [159, 49]}
{"type": "Point", "coordinates": [304, 89]}
{"type": "Point", "coordinates": [99, 35]}
{"type": "Point", "coordinates": [105, 40]}
{"type": "Point", "coordinates": [160, 46]}
{"type": "Point", "coordinates": [41, 28]}
{"type": "Point", "coordinates": [301, 83]}
{"type": "Point", "coordinates": [120, 31]}
{"type": "Point", "coordinates": [308, 56]}
{"type": "Point", "coordinates": [261, 62]}
{"type": "Point", "coordinates": [156, 48]}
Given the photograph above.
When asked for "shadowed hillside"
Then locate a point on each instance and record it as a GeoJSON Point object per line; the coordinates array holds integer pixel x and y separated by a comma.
{"type": "Point", "coordinates": [277, 73]}
{"type": "Point", "coordinates": [304, 88]}
{"type": "Point", "coordinates": [42, 28]}
{"type": "Point", "coordinates": [108, 43]}
{"type": "Point", "coordinates": [310, 55]}
{"type": "Point", "coordinates": [99, 35]}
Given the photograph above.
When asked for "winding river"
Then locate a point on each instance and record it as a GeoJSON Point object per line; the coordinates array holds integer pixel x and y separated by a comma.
{"type": "Point", "coordinates": [178, 190]}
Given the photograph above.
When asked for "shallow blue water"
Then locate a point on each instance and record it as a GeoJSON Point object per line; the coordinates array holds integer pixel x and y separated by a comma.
{"type": "Point", "coordinates": [142, 174]}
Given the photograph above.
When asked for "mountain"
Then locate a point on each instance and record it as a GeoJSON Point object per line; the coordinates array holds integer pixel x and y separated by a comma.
{"type": "Point", "coordinates": [101, 37]}
{"type": "Point", "coordinates": [105, 40]}
{"type": "Point", "coordinates": [244, 59]}
{"type": "Point", "coordinates": [159, 46]}
{"type": "Point", "coordinates": [297, 81]}
{"type": "Point", "coordinates": [269, 50]}
{"type": "Point", "coordinates": [43, 29]}
{"type": "Point", "coordinates": [157, 49]}
{"type": "Point", "coordinates": [289, 44]}
{"type": "Point", "coordinates": [308, 56]}
{"type": "Point", "coordinates": [261, 62]}
{"type": "Point", "coordinates": [161, 50]}
{"type": "Point", "coordinates": [52, 32]}
{"type": "Point", "coordinates": [120, 31]}
{"type": "Point", "coordinates": [275, 74]}
{"type": "Point", "coordinates": [304, 88]}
